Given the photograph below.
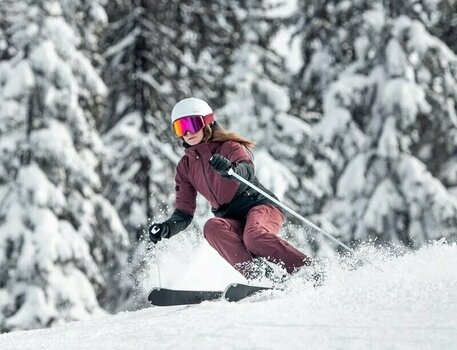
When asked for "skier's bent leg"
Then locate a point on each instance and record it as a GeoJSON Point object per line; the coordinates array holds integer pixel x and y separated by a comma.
{"type": "Point", "coordinates": [224, 235]}
{"type": "Point", "coordinates": [261, 237]}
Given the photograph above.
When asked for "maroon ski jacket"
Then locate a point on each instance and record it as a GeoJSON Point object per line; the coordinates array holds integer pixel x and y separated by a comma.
{"type": "Point", "coordinates": [195, 174]}
{"type": "Point", "coordinates": [228, 197]}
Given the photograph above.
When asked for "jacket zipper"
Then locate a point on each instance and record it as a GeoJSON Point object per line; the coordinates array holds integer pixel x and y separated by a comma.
{"type": "Point", "coordinates": [206, 177]}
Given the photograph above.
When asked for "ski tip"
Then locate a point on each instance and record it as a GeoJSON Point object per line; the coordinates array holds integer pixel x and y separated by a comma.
{"type": "Point", "coordinates": [155, 289]}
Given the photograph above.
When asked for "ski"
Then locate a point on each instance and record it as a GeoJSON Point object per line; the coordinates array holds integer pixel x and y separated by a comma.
{"type": "Point", "coordinates": [239, 291]}
{"type": "Point", "coordinates": [170, 297]}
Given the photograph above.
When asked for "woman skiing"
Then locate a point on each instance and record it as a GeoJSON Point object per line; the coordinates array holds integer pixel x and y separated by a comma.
{"type": "Point", "coordinates": [246, 225]}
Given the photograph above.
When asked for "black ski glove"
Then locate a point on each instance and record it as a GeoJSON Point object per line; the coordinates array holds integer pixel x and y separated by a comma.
{"type": "Point", "coordinates": [157, 231]}
{"type": "Point", "coordinates": [177, 222]}
{"type": "Point", "coordinates": [221, 164]}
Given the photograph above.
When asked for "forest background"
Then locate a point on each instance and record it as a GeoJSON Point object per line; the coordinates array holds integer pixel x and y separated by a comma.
{"type": "Point", "coordinates": [352, 105]}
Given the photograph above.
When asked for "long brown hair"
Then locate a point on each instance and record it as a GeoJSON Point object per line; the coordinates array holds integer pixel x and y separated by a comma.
{"type": "Point", "coordinates": [215, 132]}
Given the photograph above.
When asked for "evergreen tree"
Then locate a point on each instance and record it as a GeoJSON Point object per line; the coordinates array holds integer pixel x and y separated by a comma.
{"type": "Point", "coordinates": [158, 52]}
{"type": "Point", "coordinates": [389, 115]}
{"type": "Point", "coordinates": [258, 106]}
{"type": "Point", "coordinates": [438, 17]}
{"type": "Point", "coordinates": [326, 30]}
{"type": "Point", "coordinates": [61, 242]}
{"type": "Point", "coordinates": [138, 70]}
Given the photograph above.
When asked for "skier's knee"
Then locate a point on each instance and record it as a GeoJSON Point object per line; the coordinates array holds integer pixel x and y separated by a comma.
{"type": "Point", "coordinates": [251, 240]}
{"type": "Point", "coordinates": [211, 227]}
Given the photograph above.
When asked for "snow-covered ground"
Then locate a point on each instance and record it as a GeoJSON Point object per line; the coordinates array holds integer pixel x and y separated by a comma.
{"type": "Point", "coordinates": [411, 305]}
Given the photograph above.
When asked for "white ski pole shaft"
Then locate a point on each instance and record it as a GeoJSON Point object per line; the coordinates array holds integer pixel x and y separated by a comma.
{"type": "Point", "coordinates": [158, 274]}
{"type": "Point", "coordinates": [155, 230]}
{"type": "Point", "coordinates": [293, 212]}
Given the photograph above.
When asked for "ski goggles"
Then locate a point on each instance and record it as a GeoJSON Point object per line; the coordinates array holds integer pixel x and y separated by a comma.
{"type": "Point", "coordinates": [191, 123]}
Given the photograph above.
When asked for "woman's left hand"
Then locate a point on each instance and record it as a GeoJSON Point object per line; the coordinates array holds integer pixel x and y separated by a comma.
{"type": "Point", "coordinates": [221, 164]}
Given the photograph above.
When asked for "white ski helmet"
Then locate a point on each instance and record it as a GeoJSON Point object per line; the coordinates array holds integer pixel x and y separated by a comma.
{"type": "Point", "coordinates": [190, 106]}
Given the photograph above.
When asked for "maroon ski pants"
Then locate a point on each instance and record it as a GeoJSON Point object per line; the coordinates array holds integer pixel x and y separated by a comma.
{"type": "Point", "coordinates": [239, 242]}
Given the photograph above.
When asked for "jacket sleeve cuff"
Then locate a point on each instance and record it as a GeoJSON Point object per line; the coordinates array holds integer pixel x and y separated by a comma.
{"type": "Point", "coordinates": [245, 170]}
{"type": "Point", "coordinates": [177, 222]}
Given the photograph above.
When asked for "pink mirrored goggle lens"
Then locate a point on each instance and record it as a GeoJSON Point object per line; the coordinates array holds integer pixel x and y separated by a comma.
{"type": "Point", "coordinates": [192, 124]}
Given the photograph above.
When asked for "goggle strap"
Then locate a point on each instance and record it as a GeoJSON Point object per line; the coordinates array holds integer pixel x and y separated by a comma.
{"type": "Point", "coordinates": [209, 118]}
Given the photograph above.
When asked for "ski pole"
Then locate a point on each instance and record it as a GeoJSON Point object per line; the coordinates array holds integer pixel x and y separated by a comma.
{"type": "Point", "coordinates": [154, 230]}
{"type": "Point", "coordinates": [293, 212]}
{"type": "Point", "coordinates": [158, 273]}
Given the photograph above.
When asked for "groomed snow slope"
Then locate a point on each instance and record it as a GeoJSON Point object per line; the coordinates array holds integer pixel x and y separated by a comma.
{"type": "Point", "coordinates": [411, 305]}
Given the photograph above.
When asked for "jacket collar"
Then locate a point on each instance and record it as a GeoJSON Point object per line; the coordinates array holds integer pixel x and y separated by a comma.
{"type": "Point", "coordinates": [201, 148]}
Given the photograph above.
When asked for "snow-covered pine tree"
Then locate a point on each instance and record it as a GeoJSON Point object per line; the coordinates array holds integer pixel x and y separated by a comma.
{"type": "Point", "coordinates": [61, 242]}
{"type": "Point", "coordinates": [140, 64]}
{"type": "Point", "coordinates": [158, 52]}
{"type": "Point", "coordinates": [390, 116]}
{"type": "Point", "coordinates": [438, 16]}
{"type": "Point", "coordinates": [324, 29]}
{"type": "Point", "coordinates": [258, 106]}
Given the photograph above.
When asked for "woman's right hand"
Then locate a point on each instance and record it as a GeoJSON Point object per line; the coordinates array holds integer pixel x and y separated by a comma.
{"type": "Point", "coordinates": [221, 164]}
{"type": "Point", "coordinates": [157, 231]}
